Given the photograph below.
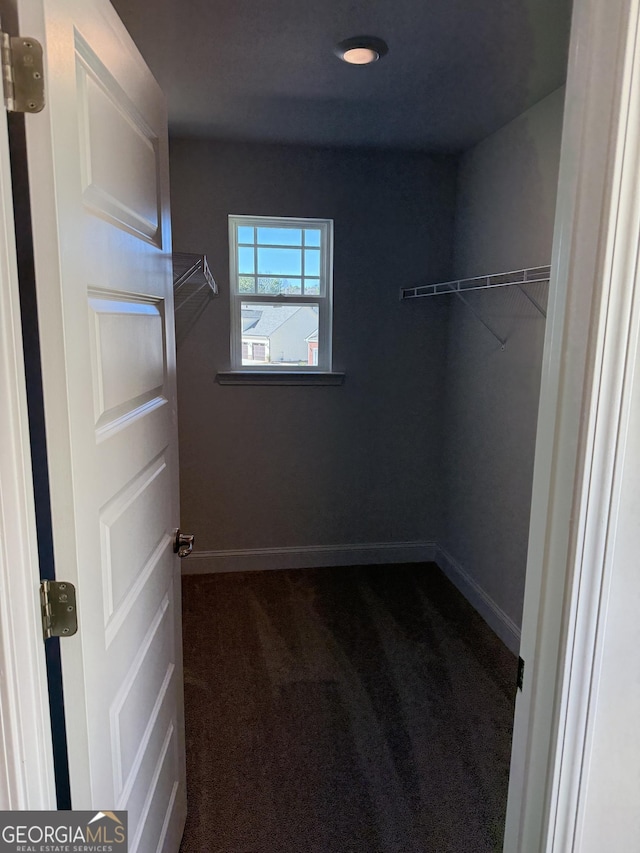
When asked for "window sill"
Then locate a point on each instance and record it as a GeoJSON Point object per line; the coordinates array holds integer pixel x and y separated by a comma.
{"type": "Point", "coordinates": [289, 377]}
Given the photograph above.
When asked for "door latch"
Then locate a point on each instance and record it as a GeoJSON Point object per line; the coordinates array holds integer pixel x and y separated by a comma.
{"type": "Point", "coordinates": [183, 543]}
{"type": "Point", "coordinates": [59, 612]}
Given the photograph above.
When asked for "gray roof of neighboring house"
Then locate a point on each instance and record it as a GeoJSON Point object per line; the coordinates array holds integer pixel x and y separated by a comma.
{"type": "Point", "coordinates": [262, 321]}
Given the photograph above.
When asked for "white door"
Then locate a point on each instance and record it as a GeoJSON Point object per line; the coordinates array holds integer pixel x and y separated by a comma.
{"type": "Point", "coordinates": [98, 175]}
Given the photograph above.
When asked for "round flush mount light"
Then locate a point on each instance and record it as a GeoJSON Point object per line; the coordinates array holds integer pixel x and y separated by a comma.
{"type": "Point", "coordinates": [361, 50]}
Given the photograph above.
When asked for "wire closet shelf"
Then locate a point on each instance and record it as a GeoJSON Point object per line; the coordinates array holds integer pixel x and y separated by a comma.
{"type": "Point", "coordinates": [458, 287]}
{"type": "Point", "coordinates": [193, 288]}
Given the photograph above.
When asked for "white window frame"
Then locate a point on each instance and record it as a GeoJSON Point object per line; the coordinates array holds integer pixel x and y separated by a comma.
{"type": "Point", "coordinates": [324, 300]}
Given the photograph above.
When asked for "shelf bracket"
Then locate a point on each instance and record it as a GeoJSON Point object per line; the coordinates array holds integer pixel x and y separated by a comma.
{"type": "Point", "coordinates": [533, 301]}
{"type": "Point", "coordinates": [478, 316]}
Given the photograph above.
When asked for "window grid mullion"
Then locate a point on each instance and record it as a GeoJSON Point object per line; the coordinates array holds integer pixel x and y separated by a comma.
{"type": "Point", "coordinates": [255, 259]}
{"type": "Point", "coordinates": [274, 245]}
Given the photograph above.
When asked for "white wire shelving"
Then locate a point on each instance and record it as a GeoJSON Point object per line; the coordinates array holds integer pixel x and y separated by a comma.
{"type": "Point", "coordinates": [458, 287]}
{"type": "Point", "coordinates": [193, 288]}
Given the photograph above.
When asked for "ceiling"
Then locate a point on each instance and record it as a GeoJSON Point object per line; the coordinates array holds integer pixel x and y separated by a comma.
{"type": "Point", "coordinates": [264, 70]}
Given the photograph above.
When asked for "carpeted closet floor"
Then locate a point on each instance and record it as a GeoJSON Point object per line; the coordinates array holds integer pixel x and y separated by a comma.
{"type": "Point", "coordinates": [350, 710]}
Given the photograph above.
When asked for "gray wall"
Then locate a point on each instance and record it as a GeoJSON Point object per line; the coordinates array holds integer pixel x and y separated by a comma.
{"type": "Point", "coordinates": [289, 466]}
{"type": "Point", "coordinates": [505, 213]}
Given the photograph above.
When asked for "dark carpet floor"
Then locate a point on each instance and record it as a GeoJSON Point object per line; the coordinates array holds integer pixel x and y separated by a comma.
{"type": "Point", "coordinates": [351, 710]}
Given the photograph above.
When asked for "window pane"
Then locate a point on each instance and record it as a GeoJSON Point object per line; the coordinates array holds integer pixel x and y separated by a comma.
{"type": "Point", "coordinates": [245, 234]}
{"type": "Point", "coordinates": [279, 335]}
{"type": "Point", "coordinates": [246, 284]}
{"type": "Point", "coordinates": [279, 261]}
{"type": "Point", "coordinates": [312, 236]}
{"type": "Point", "coordinates": [277, 284]}
{"type": "Point", "coordinates": [280, 236]}
{"type": "Point", "coordinates": [246, 260]}
{"type": "Point", "coordinates": [312, 262]}
{"type": "Point", "coordinates": [311, 286]}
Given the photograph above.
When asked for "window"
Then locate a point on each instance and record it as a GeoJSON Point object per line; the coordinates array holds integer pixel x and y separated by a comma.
{"type": "Point", "coordinates": [281, 283]}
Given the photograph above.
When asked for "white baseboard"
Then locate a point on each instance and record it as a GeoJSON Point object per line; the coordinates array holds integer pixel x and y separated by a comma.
{"type": "Point", "coordinates": [325, 556]}
{"type": "Point", "coordinates": [493, 615]}
{"type": "Point", "coordinates": [308, 557]}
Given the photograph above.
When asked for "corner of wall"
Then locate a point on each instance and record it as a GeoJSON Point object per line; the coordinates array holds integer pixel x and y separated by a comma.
{"type": "Point", "coordinates": [507, 187]}
{"type": "Point", "coordinates": [500, 622]}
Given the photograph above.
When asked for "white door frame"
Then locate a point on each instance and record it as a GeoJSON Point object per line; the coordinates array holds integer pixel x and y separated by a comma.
{"type": "Point", "coordinates": [26, 762]}
{"type": "Point", "coordinates": [594, 562]}
{"type": "Point", "coordinates": [581, 400]}
{"type": "Point", "coordinates": [563, 550]}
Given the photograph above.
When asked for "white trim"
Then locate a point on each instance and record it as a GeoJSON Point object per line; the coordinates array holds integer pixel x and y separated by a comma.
{"type": "Point", "coordinates": [284, 377]}
{"type": "Point", "coordinates": [596, 90]}
{"type": "Point", "coordinates": [307, 557]}
{"type": "Point", "coordinates": [598, 561]}
{"type": "Point", "coordinates": [26, 763]}
{"type": "Point", "coordinates": [371, 553]}
{"type": "Point", "coordinates": [495, 617]}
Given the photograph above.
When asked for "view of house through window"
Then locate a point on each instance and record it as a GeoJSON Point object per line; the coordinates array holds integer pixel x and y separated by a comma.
{"type": "Point", "coordinates": [281, 283]}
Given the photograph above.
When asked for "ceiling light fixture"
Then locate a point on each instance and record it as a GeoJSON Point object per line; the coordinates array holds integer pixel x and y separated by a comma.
{"type": "Point", "coordinates": [361, 50]}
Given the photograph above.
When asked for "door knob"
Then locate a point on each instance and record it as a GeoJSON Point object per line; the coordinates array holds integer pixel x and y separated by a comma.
{"type": "Point", "coordinates": [183, 543]}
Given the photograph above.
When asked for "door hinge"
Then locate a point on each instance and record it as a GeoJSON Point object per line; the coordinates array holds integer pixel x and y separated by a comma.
{"type": "Point", "coordinates": [59, 612]}
{"type": "Point", "coordinates": [22, 74]}
{"type": "Point", "coordinates": [520, 677]}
